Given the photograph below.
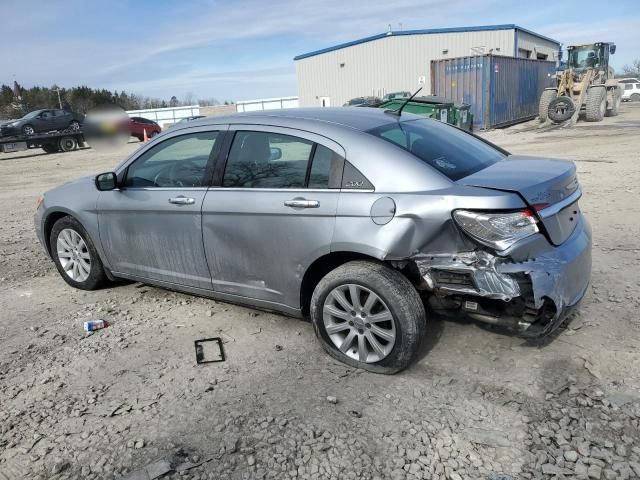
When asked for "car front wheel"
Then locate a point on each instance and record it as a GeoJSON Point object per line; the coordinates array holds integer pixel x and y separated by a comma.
{"type": "Point", "coordinates": [75, 256]}
{"type": "Point", "coordinates": [369, 316]}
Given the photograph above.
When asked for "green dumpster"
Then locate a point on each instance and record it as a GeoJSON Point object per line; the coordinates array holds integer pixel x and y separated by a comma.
{"type": "Point", "coordinates": [438, 108]}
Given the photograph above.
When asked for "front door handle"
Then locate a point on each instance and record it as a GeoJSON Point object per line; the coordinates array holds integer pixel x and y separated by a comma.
{"type": "Point", "coordinates": [182, 200]}
{"type": "Point", "coordinates": [302, 203]}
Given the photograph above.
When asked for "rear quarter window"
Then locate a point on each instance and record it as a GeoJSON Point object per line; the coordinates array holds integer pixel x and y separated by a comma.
{"type": "Point", "coordinates": [449, 150]}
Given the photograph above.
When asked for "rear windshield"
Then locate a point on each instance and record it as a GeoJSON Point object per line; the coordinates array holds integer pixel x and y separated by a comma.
{"type": "Point", "coordinates": [452, 152]}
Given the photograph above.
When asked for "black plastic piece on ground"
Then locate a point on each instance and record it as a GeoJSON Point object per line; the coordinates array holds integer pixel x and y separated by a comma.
{"type": "Point", "coordinates": [200, 354]}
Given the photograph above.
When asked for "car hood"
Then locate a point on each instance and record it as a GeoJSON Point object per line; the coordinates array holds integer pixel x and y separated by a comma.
{"type": "Point", "coordinates": [540, 181]}
{"type": "Point", "coordinates": [88, 180]}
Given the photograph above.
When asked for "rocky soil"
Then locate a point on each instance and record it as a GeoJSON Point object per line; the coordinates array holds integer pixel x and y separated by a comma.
{"type": "Point", "coordinates": [130, 402]}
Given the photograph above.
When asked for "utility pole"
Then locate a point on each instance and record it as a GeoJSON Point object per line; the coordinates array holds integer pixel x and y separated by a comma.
{"type": "Point", "coordinates": [59, 100]}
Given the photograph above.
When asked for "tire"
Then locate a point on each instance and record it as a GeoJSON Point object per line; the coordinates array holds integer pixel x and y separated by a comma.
{"type": "Point", "coordinates": [635, 97]}
{"type": "Point", "coordinates": [596, 104]}
{"type": "Point", "coordinates": [561, 109]}
{"type": "Point", "coordinates": [543, 107]}
{"type": "Point", "coordinates": [74, 125]}
{"type": "Point", "coordinates": [153, 134]}
{"type": "Point", "coordinates": [67, 144]}
{"type": "Point", "coordinates": [50, 148]}
{"type": "Point", "coordinates": [396, 299]}
{"type": "Point", "coordinates": [28, 130]}
{"type": "Point", "coordinates": [615, 107]}
{"type": "Point", "coordinates": [69, 229]}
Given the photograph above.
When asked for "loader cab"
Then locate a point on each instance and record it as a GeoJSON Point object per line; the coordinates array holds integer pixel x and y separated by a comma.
{"type": "Point", "coordinates": [594, 55]}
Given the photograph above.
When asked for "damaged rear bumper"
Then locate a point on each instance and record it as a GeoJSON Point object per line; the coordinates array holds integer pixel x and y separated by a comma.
{"type": "Point", "coordinates": [530, 288]}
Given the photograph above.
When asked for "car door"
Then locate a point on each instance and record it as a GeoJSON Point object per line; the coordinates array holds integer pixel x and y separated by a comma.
{"type": "Point", "coordinates": [271, 211]}
{"type": "Point", "coordinates": [150, 227]}
{"type": "Point", "coordinates": [61, 119]}
{"type": "Point", "coordinates": [43, 122]}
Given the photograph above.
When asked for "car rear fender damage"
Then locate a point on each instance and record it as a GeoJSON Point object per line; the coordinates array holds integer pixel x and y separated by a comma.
{"type": "Point", "coordinates": [516, 289]}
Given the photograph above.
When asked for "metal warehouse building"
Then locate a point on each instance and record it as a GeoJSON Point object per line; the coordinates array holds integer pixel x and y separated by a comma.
{"type": "Point", "coordinates": [401, 61]}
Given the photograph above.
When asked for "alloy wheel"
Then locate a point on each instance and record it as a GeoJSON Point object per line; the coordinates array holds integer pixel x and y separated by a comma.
{"type": "Point", "coordinates": [74, 255]}
{"type": "Point", "coordinates": [359, 323]}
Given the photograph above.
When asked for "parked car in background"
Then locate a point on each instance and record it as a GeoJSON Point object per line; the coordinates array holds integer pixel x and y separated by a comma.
{"type": "Point", "coordinates": [40, 121]}
{"type": "Point", "coordinates": [631, 92]}
{"type": "Point", "coordinates": [363, 102]}
{"type": "Point", "coordinates": [350, 216]}
{"type": "Point", "coordinates": [629, 80]}
{"type": "Point", "coordinates": [139, 125]}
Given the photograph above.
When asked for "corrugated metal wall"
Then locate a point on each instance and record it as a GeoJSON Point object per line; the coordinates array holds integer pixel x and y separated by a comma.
{"type": "Point", "coordinates": [501, 90]}
{"type": "Point", "coordinates": [537, 46]}
{"type": "Point", "coordinates": [390, 64]}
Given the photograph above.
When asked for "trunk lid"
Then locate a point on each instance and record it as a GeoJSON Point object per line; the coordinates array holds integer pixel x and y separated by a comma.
{"type": "Point", "coordinates": [549, 186]}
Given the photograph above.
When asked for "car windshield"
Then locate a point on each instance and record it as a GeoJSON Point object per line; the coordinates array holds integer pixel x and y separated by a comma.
{"type": "Point", "coordinates": [452, 152]}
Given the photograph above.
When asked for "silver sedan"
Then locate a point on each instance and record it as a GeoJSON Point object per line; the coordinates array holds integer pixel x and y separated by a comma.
{"type": "Point", "coordinates": [365, 221]}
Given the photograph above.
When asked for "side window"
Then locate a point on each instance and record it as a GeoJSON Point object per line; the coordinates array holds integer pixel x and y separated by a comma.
{"type": "Point", "coordinates": [267, 160]}
{"type": "Point", "coordinates": [176, 162]}
{"type": "Point", "coordinates": [46, 115]}
{"type": "Point", "coordinates": [326, 168]}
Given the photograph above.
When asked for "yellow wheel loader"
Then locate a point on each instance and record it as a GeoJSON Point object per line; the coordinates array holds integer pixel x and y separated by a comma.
{"type": "Point", "coordinates": [586, 86]}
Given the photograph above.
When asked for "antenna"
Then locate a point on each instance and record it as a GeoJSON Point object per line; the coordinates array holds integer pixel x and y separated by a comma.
{"type": "Point", "coordinates": [398, 112]}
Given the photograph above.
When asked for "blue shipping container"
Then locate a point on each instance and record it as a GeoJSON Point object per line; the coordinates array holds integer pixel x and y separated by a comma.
{"type": "Point", "coordinates": [501, 90]}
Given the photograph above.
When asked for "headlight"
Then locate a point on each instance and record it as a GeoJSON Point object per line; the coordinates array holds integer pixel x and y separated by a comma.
{"type": "Point", "coordinates": [497, 230]}
{"type": "Point", "coordinates": [13, 124]}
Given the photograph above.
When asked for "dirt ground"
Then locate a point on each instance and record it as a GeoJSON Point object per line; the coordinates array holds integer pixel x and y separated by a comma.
{"type": "Point", "coordinates": [129, 401]}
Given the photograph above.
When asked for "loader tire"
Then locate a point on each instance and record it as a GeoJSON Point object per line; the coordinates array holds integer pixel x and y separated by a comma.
{"type": "Point", "coordinates": [543, 107]}
{"type": "Point", "coordinates": [596, 104]}
{"type": "Point", "coordinates": [614, 108]}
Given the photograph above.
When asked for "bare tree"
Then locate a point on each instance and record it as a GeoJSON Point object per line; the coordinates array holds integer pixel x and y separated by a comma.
{"type": "Point", "coordinates": [632, 69]}
{"type": "Point", "coordinates": [188, 99]}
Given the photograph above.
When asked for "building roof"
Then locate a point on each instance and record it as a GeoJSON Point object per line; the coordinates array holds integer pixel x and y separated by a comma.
{"type": "Point", "coordinates": [482, 28]}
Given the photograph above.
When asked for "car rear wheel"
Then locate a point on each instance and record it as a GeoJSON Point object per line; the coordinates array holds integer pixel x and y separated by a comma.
{"type": "Point", "coordinates": [635, 97]}
{"type": "Point", "coordinates": [28, 130]}
{"type": "Point", "coordinates": [75, 256]}
{"type": "Point", "coordinates": [369, 316]}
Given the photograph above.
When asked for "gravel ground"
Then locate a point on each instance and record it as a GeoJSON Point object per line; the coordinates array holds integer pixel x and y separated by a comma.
{"type": "Point", "coordinates": [129, 401]}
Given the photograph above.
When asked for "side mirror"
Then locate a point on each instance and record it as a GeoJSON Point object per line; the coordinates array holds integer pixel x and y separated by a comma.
{"type": "Point", "coordinates": [276, 153]}
{"type": "Point", "coordinates": [612, 48]}
{"type": "Point", "coordinates": [106, 181]}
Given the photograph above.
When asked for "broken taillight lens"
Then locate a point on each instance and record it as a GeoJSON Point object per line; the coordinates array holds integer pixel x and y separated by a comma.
{"type": "Point", "coordinates": [497, 230]}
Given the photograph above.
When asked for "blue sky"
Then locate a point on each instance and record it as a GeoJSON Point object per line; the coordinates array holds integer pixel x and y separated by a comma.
{"type": "Point", "coordinates": [244, 49]}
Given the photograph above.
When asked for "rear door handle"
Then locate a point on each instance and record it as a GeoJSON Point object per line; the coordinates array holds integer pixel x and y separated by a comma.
{"type": "Point", "coordinates": [302, 203]}
{"type": "Point", "coordinates": [182, 200]}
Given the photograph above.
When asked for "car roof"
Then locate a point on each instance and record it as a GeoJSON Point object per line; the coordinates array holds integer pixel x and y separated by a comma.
{"type": "Point", "coordinates": [357, 118]}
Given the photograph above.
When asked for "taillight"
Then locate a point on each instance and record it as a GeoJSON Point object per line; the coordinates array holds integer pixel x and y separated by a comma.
{"type": "Point", "coordinates": [497, 230]}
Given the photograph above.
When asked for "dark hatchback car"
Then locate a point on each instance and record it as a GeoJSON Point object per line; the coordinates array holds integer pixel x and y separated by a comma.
{"type": "Point", "coordinates": [138, 125]}
{"type": "Point", "coordinates": [41, 121]}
